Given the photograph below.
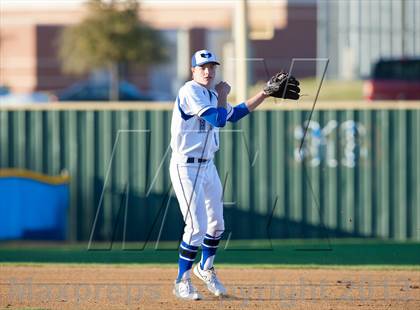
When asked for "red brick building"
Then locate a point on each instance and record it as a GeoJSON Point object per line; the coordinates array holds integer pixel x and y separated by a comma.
{"type": "Point", "coordinates": [279, 32]}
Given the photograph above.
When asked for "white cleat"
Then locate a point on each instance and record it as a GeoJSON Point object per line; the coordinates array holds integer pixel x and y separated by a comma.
{"type": "Point", "coordinates": [210, 278]}
{"type": "Point", "coordinates": [186, 290]}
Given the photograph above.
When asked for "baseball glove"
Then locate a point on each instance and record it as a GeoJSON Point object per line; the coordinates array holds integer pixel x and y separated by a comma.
{"type": "Point", "coordinates": [283, 85]}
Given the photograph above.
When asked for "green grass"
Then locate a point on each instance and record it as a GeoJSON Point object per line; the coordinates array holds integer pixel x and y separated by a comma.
{"type": "Point", "coordinates": [284, 253]}
{"type": "Point", "coordinates": [225, 266]}
{"type": "Point", "coordinates": [330, 90]}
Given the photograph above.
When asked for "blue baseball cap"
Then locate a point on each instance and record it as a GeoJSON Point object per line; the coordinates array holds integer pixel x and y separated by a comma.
{"type": "Point", "coordinates": [203, 57]}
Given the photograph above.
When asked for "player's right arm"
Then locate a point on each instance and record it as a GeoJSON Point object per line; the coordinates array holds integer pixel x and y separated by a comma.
{"type": "Point", "coordinates": [218, 116]}
{"type": "Point", "coordinates": [194, 99]}
{"type": "Point", "coordinates": [223, 90]}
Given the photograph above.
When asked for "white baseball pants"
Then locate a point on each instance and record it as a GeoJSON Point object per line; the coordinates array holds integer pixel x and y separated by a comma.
{"type": "Point", "coordinates": [200, 196]}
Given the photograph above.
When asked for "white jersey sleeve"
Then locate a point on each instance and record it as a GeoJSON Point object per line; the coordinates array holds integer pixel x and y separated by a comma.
{"type": "Point", "coordinates": [195, 99]}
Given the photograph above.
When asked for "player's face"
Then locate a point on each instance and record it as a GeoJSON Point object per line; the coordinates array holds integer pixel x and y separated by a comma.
{"type": "Point", "coordinates": [204, 74]}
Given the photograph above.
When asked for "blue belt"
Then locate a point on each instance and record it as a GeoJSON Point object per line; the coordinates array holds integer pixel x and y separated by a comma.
{"type": "Point", "coordinates": [192, 160]}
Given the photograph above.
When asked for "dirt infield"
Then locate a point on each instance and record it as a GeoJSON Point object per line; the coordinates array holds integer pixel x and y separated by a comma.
{"type": "Point", "coordinates": [139, 287]}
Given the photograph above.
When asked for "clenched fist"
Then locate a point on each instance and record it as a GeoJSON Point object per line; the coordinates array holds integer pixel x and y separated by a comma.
{"type": "Point", "coordinates": [223, 89]}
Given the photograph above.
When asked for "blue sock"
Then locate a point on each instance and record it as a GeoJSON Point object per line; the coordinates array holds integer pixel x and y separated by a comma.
{"type": "Point", "coordinates": [187, 254]}
{"type": "Point", "coordinates": [209, 248]}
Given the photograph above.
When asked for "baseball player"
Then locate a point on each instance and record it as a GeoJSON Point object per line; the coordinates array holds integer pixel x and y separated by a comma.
{"type": "Point", "coordinates": [199, 111]}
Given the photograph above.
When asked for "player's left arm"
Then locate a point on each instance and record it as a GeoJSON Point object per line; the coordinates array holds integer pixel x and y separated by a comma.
{"type": "Point", "coordinates": [253, 102]}
{"type": "Point", "coordinates": [225, 112]}
{"type": "Point", "coordinates": [281, 85]}
{"type": "Point", "coordinates": [218, 117]}
{"type": "Point", "coordinates": [243, 109]}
